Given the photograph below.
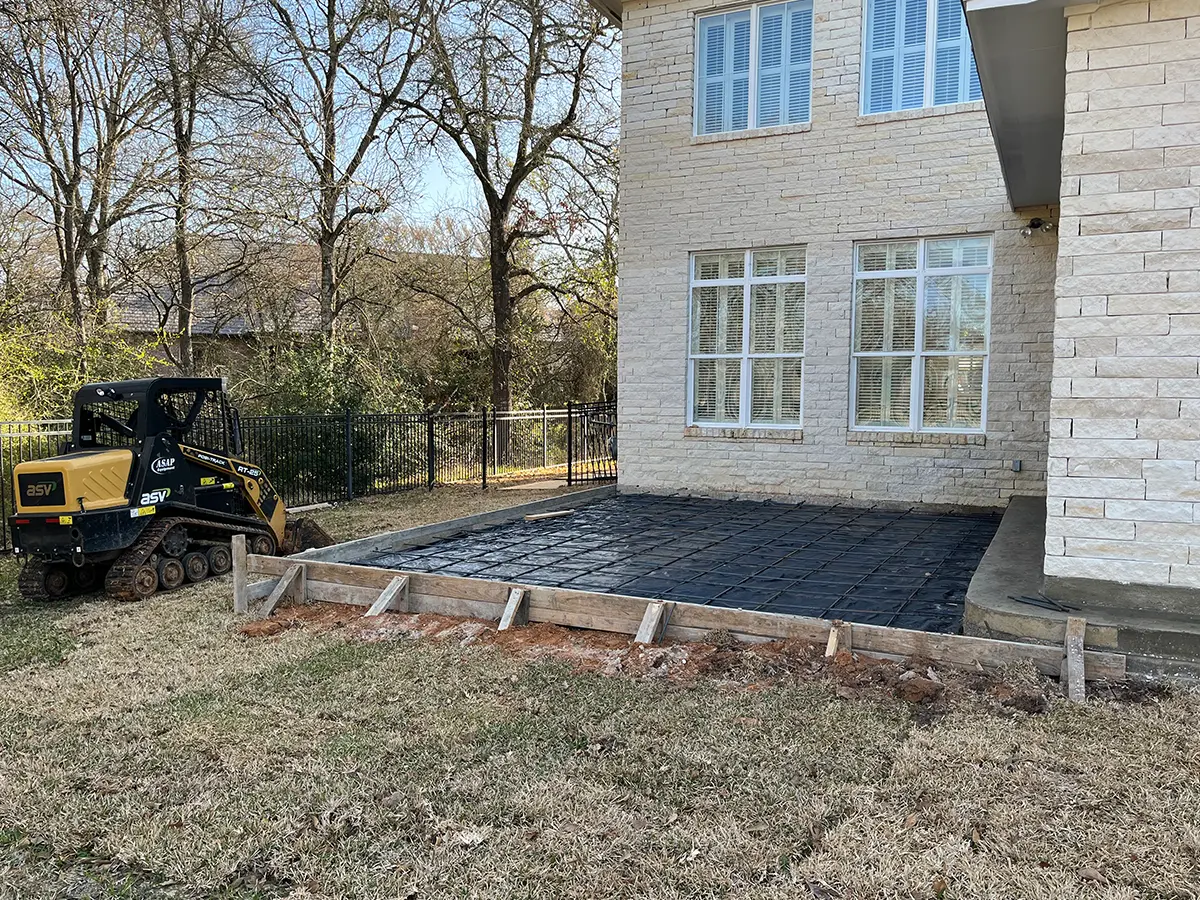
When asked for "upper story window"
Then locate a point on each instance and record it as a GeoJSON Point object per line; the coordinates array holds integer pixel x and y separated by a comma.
{"type": "Point", "coordinates": [754, 67]}
{"type": "Point", "coordinates": [921, 334]}
{"type": "Point", "coordinates": [917, 53]}
{"type": "Point", "coordinates": [746, 348]}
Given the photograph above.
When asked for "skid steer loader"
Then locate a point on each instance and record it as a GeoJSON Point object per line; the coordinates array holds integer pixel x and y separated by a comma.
{"type": "Point", "coordinates": [148, 494]}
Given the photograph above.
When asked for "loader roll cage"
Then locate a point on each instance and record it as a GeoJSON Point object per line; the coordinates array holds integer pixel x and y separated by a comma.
{"type": "Point", "coordinates": [194, 411]}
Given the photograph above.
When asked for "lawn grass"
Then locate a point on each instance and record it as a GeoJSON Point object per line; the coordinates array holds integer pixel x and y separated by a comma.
{"type": "Point", "coordinates": [151, 750]}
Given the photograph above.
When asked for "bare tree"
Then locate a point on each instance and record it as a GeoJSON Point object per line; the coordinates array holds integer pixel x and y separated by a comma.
{"type": "Point", "coordinates": [26, 245]}
{"type": "Point", "coordinates": [516, 86]}
{"type": "Point", "coordinates": [76, 115]}
{"type": "Point", "coordinates": [191, 63]}
{"type": "Point", "coordinates": [331, 75]}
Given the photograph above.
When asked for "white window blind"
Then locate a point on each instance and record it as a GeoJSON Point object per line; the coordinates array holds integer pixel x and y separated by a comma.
{"type": "Point", "coordinates": [764, 52]}
{"type": "Point", "coordinates": [920, 336]}
{"type": "Point", "coordinates": [746, 350]}
{"type": "Point", "coordinates": [908, 65]}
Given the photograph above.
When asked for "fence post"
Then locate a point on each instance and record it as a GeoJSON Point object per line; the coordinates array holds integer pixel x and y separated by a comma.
{"type": "Point", "coordinates": [349, 456]}
{"type": "Point", "coordinates": [496, 442]}
{"type": "Point", "coordinates": [570, 447]}
{"type": "Point", "coordinates": [483, 455]}
{"type": "Point", "coordinates": [430, 450]}
{"type": "Point", "coordinates": [545, 438]}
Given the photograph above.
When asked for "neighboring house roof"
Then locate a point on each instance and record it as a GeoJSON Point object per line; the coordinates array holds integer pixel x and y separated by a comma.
{"type": "Point", "coordinates": [220, 310]}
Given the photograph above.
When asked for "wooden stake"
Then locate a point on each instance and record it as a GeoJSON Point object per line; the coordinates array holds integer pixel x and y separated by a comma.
{"type": "Point", "coordinates": [516, 610]}
{"type": "Point", "coordinates": [394, 597]}
{"type": "Point", "coordinates": [839, 637]}
{"type": "Point", "coordinates": [291, 586]}
{"type": "Point", "coordinates": [652, 623]}
{"type": "Point", "coordinates": [1073, 665]}
{"type": "Point", "coordinates": [241, 603]}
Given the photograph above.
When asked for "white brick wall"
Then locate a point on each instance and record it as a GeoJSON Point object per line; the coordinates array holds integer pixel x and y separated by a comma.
{"type": "Point", "coordinates": [1125, 432]}
{"type": "Point", "coordinates": [847, 178]}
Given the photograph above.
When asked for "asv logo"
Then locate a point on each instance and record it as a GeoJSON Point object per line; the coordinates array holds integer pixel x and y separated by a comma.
{"type": "Point", "coordinates": [42, 489]}
{"type": "Point", "coordinates": [163, 465]}
{"type": "Point", "coordinates": [156, 496]}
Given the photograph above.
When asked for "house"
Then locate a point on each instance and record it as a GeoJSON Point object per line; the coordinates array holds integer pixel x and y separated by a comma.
{"type": "Point", "coordinates": [922, 251]}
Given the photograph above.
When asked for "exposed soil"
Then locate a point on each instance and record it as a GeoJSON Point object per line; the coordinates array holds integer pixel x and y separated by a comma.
{"type": "Point", "coordinates": [721, 657]}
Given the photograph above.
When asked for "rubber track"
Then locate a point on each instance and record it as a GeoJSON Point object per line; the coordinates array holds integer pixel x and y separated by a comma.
{"type": "Point", "coordinates": [118, 584]}
{"type": "Point", "coordinates": [32, 582]}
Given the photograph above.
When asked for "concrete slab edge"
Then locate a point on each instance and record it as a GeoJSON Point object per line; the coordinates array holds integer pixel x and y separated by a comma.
{"type": "Point", "coordinates": [391, 541]}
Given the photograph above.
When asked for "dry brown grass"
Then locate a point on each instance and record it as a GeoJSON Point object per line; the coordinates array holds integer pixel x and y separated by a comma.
{"type": "Point", "coordinates": [155, 751]}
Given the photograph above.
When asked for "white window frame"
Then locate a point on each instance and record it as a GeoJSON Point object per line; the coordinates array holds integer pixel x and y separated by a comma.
{"type": "Point", "coordinates": [930, 62]}
{"type": "Point", "coordinates": [746, 357]}
{"type": "Point", "coordinates": [752, 112]}
{"type": "Point", "coordinates": [916, 402]}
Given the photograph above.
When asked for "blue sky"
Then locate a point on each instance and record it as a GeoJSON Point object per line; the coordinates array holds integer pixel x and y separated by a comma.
{"type": "Point", "coordinates": [442, 184]}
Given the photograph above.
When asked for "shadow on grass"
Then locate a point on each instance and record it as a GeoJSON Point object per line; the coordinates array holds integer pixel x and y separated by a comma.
{"type": "Point", "coordinates": [28, 631]}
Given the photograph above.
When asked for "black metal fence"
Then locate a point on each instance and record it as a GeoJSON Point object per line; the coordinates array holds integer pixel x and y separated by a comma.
{"type": "Point", "coordinates": [323, 458]}
{"type": "Point", "coordinates": [591, 442]}
{"type": "Point", "coordinates": [19, 442]}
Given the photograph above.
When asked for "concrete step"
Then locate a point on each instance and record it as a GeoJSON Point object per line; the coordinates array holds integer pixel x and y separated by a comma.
{"type": "Point", "coordinates": [1157, 641]}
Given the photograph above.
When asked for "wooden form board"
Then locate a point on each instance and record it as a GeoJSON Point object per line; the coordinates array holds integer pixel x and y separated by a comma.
{"type": "Point", "coordinates": [457, 596]}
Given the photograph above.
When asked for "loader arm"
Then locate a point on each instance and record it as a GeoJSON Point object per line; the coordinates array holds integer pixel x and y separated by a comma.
{"type": "Point", "coordinates": [253, 483]}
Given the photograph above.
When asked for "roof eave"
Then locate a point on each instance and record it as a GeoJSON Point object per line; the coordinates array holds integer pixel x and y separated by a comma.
{"type": "Point", "coordinates": [1020, 51]}
{"type": "Point", "coordinates": [611, 10]}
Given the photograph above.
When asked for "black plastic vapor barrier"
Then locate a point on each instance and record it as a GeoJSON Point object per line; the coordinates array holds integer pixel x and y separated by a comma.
{"type": "Point", "coordinates": [904, 568]}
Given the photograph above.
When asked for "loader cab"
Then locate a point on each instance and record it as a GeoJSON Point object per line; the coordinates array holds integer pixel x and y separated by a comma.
{"type": "Point", "coordinates": [123, 415]}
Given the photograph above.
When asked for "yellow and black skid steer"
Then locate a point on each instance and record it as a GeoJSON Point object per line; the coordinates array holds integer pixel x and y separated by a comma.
{"type": "Point", "coordinates": [147, 494]}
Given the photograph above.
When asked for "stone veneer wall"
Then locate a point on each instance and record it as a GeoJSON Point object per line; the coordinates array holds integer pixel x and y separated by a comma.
{"type": "Point", "coordinates": [1125, 426]}
{"type": "Point", "coordinates": [845, 178]}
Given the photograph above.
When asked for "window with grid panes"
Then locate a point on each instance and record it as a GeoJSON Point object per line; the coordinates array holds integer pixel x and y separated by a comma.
{"type": "Point", "coordinates": [920, 342]}
{"type": "Point", "coordinates": [746, 352]}
{"type": "Point", "coordinates": [917, 53]}
{"type": "Point", "coordinates": [754, 67]}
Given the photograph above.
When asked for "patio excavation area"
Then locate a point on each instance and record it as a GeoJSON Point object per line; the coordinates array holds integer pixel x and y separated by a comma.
{"type": "Point", "coordinates": [903, 568]}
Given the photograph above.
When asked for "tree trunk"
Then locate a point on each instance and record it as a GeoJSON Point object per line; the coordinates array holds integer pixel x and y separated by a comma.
{"type": "Point", "coordinates": [69, 275]}
{"type": "Point", "coordinates": [502, 312]}
{"type": "Point", "coordinates": [183, 252]}
{"type": "Point", "coordinates": [327, 247]}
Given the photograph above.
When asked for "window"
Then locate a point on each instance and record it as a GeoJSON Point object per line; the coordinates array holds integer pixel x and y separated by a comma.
{"type": "Point", "coordinates": [764, 53]}
{"type": "Point", "coordinates": [921, 334]}
{"type": "Point", "coordinates": [907, 64]}
{"type": "Point", "coordinates": [746, 356]}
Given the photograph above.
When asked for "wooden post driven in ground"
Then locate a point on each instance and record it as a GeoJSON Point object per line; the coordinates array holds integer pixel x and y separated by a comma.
{"type": "Point", "coordinates": [241, 603]}
{"type": "Point", "coordinates": [516, 610]}
{"type": "Point", "coordinates": [654, 622]}
{"type": "Point", "coordinates": [291, 587]}
{"type": "Point", "coordinates": [1073, 663]}
{"type": "Point", "coordinates": [839, 638]}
